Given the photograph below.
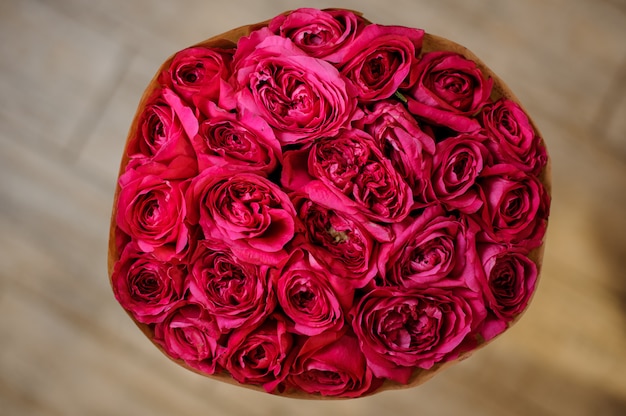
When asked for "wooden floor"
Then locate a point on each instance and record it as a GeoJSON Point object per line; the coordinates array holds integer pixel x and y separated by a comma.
{"type": "Point", "coordinates": [71, 74]}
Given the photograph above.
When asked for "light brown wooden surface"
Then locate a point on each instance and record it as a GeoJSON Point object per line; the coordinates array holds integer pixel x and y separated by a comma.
{"type": "Point", "coordinates": [71, 74]}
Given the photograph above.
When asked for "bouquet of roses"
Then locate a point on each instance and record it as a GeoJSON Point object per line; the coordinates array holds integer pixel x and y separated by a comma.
{"type": "Point", "coordinates": [321, 205]}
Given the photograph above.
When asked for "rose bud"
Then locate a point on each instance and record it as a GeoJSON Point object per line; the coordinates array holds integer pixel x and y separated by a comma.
{"type": "Point", "coordinates": [435, 249]}
{"type": "Point", "coordinates": [379, 59]}
{"type": "Point", "coordinates": [510, 279]}
{"type": "Point", "coordinates": [146, 287]}
{"type": "Point", "coordinates": [331, 364]}
{"type": "Point", "coordinates": [514, 138]}
{"type": "Point", "coordinates": [458, 163]}
{"type": "Point", "coordinates": [262, 356]}
{"type": "Point", "coordinates": [236, 293]}
{"type": "Point", "coordinates": [250, 213]}
{"type": "Point", "coordinates": [300, 97]}
{"type": "Point", "coordinates": [241, 140]}
{"type": "Point", "coordinates": [516, 207]}
{"type": "Point", "coordinates": [448, 91]}
{"type": "Point", "coordinates": [400, 329]}
{"type": "Point", "coordinates": [306, 295]}
{"type": "Point", "coordinates": [189, 333]}
{"type": "Point", "coordinates": [320, 33]}
{"type": "Point", "coordinates": [151, 206]}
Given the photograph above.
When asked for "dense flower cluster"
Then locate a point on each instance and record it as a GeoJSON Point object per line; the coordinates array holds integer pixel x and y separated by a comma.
{"type": "Point", "coordinates": [323, 206]}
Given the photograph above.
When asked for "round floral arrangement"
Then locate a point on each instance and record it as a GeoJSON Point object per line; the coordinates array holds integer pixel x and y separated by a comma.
{"type": "Point", "coordinates": [321, 206]}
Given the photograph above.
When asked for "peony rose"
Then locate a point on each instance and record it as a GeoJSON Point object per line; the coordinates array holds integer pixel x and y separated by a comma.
{"type": "Point", "coordinates": [349, 173]}
{"type": "Point", "coordinates": [458, 163]}
{"type": "Point", "coordinates": [320, 33]}
{"type": "Point", "coordinates": [435, 249]}
{"type": "Point", "coordinates": [516, 207]}
{"type": "Point", "coordinates": [400, 329]}
{"type": "Point", "coordinates": [306, 295]}
{"type": "Point", "coordinates": [199, 73]}
{"type": "Point", "coordinates": [343, 244]}
{"type": "Point", "coordinates": [379, 59]}
{"type": "Point", "coordinates": [245, 210]}
{"type": "Point", "coordinates": [301, 97]}
{"type": "Point", "coordinates": [403, 142]}
{"type": "Point", "coordinates": [189, 333]}
{"type": "Point", "coordinates": [146, 287]}
{"type": "Point", "coordinates": [151, 206]}
{"type": "Point", "coordinates": [239, 140]}
{"type": "Point", "coordinates": [449, 89]}
{"type": "Point", "coordinates": [514, 138]}
{"type": "Point", "coordinates": [262, 356]}
{"type": "Point", "coordinates": [160, 134]}
{"type": "Point", "coordinates": [331, 364]}
{"type": "Point", "coordinates": [510, 282]}
{"type": "Point", "coordinates": [234, 292]}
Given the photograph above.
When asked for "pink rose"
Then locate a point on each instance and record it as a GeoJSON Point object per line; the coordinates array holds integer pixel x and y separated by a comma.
{"type": "Point", "coordinates": [515, 140]}
{"type": "Point", "coordinates": [449, 90]}
{"type": "Point", "coordinates": [433, 250]}
{"type": "Point", "coordinates": [380, 58]}
{"type": "Point", "coordinates": [200, 73]}
{"type": "Point", "coordinates": [307, 297]}
{"type": "Point", "coordinates": [151, 206]}
{"type": "Point", "coordinates": [341, 243]}
{"type": "Point", "coordinates": [160, 134]}
{"type": "Point", "coordinates": [240, 140]}
{"type": "Point", "coordinates": [236, 293]}
{"type": "Point", "coordinates": [189, 333]}
{"type": "Point", "coordinates": [146, 287]}
{"type": "Point", "coordinates": [262, 356]}
{"type": "Point", "coordinates": [319, 33]}
{"type": "Point", "coordinates": [301, 97]}
{"type": "Point", "coordinates": [510, 282]}
{"type": "Point", "coordinates": [331, 364]}
{"type": "Point", "coordinates": [516, 207]}
{"type": "Point", "coordinates": [250, 213]}
{"type": "Point", "coordinates": [349, 173]}
{"type": "Point", "coordinates": [458, 163]}
{"type": "Point", "coordinates": [400, 329]}
{"type": "Point", "coordinates": [403, 142]}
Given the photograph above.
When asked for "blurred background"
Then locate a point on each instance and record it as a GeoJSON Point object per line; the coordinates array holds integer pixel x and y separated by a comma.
{"type": "Point", "coordinates": [71, 75]}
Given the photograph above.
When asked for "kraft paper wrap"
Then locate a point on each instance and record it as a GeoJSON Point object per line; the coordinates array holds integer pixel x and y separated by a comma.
{"type": "Point", "coordinates": [229, 40]}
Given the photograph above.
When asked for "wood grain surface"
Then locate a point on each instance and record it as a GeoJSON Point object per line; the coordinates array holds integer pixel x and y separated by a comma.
{"type": "Point", "coordinates": [71, 75]}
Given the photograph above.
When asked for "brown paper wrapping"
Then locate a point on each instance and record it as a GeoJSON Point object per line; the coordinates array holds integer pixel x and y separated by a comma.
{"type": "Point", "coordinates": [229, 39]}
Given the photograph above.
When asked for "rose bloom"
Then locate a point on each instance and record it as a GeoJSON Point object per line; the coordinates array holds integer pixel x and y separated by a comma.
{"type": "Point", "coordinates": [236, 293]}
{"type": "Point", "coordinates": [320, 33]}
{"type": "Point", "coordinates": [514, 138]}
{"type": "Point", "coordinates": [262, 356]}
{"type": "Point", "coordinates": [250, 213]}
{"type": "Point", "coordinates": [516, 207]}
{"type": "Point", "coordinates": [146, 287]}
{"type": "Point", "coordinates": [449, 90]}
{"type": "Point", "coordinates": [510, 279]}
{"type": "Point", "coordinates": [240, 140]}
{"type": "Point", "coordinates": [343, 244]}
{"type": "Point", "coordinates": [331, 364]}
{"type": "Point", "coordinates": [402, 141]}
{"type": "Point", "coordinates": [301, 97]}
{"type": "Point", "coordinates": [189, 333]}
{"type": "Point", "coordinates": [160, 134]}
{"type": "Point", "coordinates": [458, 163]}
{"type": "Point", "coordinates": [435, 249]}
{"type": "Point", "coordinates": [151, 206]}
{"type": "Point", "coordinates": [400, 329]}
{"type": "Point", "coordinates": [349, 174]}
{"type": "Point", "coordinates": [379, 59]}
{"type": "Point", "coordinates": [307, 297]}
{"type": "Point", "coordinates": [200, 73]}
